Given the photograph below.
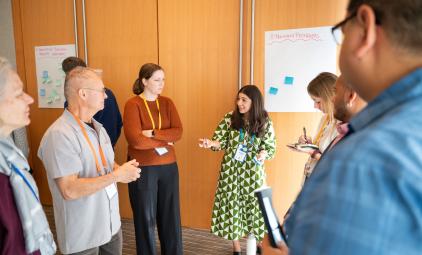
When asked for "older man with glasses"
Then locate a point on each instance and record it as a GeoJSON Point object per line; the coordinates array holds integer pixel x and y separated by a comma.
{"type": "Point", "coordinates": [82, 175]}
{"type": "Point", "coordinates": [365, 196]}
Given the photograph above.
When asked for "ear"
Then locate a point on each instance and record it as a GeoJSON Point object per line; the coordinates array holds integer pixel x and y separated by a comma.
{"type": "Point", "coordinates": [81, 93]}
{"type": "Point", "coordinates": [351, 97]}
{"type": "Point", "coordinates": [365, 18]}
{"type": "Point", "coordinates": [144, 81]}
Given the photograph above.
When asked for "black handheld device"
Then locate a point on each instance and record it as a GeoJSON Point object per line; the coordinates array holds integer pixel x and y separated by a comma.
{"type": "Point", "coordinates": [275, 233]}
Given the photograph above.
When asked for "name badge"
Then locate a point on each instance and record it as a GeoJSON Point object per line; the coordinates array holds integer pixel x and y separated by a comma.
{"type": "Point", "coordinates": [241, 153]}
{"type": "Point", "coordinates": [111, 190]}
{"type": "Point", "coordinates": [161, 150]}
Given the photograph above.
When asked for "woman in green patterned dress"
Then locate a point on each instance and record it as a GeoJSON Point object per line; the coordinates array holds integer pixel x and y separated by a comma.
{"type": "Point", "coordinates": [247, 136]}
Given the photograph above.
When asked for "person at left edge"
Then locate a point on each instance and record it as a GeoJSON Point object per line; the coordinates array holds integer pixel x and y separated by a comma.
{"type": "Point", "coordinates": [81, 172]}
{"type": "Point", "coordinates": [23, 226]}
{"type": "Point", "coordinates": [152, 124]}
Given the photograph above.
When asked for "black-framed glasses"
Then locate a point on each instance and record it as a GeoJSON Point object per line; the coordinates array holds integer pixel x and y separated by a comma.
{"type": "Point", "coordinates": [336, 29]}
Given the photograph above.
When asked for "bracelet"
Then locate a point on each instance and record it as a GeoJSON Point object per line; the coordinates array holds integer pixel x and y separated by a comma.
{"type": "Point", "coordinates": [314, 153]}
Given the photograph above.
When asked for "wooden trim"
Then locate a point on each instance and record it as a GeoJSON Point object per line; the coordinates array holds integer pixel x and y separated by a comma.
{"type": "Point", "coordinates": [19, 49]}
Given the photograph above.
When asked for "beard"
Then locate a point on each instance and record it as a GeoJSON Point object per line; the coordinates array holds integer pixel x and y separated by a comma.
{"type": "Point", "coordinates": [340, 112]}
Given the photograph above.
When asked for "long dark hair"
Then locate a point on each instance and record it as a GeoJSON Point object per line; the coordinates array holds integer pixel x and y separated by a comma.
{"type": "Point", "coordinates": [257, 116]}
{"type": "Point", "coordinates": [146, 71]}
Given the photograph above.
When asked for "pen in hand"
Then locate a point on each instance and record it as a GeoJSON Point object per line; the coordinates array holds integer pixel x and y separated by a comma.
{"type": "Point", "coordinates": [304, 135]}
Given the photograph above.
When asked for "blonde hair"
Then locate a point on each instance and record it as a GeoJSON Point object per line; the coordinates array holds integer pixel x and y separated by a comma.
{"type": "Point", "coordinates": [323, 86]}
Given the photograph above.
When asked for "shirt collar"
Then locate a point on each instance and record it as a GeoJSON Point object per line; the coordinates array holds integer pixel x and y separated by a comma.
{"type": "Point", "coordinates": [403, 90]}
{"type": "Point", "coordinates": [69, 118]}
{"type": "Point", "coordinates": [342, 128]}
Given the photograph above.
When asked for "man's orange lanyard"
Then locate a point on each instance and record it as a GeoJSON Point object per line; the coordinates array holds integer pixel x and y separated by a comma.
{"type": "Point", "coordinates": [149, 112]}
{"type": "Point", "coordinates": [97, 163]}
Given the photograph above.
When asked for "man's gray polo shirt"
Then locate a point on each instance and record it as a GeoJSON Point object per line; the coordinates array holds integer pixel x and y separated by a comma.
{"type": "Point", "coordinates": [89, 221]}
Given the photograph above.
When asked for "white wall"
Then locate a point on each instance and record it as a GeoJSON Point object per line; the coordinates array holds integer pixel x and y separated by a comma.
{"type": "Point", "coordinates": [7, 39]}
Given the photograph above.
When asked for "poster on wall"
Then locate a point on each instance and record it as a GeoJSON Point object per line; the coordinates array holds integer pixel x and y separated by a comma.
{"type": "Point", "coordinates": [292, 59]}
{"type": "Point", "coordinates": [50, 76]}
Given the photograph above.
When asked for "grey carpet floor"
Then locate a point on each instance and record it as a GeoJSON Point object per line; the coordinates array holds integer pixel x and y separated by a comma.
{"type": "Point", "coordinates": [195, 241]}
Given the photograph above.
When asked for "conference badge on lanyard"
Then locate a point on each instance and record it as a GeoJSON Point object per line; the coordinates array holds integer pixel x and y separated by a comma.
{"type": "Point", "coordinates": [241, 152]}
{"type": "Point", "coordinates": [160, 150]}
{"type": "Point", "coordinates": [242, 149]}
{"type": "Point", "coordinates": [111, 189]}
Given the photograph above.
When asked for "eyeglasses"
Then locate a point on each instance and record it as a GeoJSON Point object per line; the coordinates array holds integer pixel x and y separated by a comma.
{"type": "Point", "coordinates": [102, 90]}
{"type": "Point", "coordinates": [336, 29]}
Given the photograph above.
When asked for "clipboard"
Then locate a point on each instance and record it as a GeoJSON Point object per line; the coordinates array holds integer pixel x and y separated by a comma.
{"type": "Point", "coordinates": [305, 147]}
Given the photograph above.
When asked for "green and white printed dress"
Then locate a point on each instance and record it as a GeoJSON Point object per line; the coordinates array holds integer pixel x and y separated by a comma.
{"type": "Point", "coordinates": [236, 211]}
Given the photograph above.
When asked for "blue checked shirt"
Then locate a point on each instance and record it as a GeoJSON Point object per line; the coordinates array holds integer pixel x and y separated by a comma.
{"type": "Point", "coordinates": [365, 195]}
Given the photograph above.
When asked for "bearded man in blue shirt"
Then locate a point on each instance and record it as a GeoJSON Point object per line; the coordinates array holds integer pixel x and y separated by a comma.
{"type": "Point", "coordinates": [365, 196]}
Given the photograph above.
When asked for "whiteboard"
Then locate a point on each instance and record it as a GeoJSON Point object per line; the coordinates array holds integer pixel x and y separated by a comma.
{"type": "Point", "coordinates": [50, 76]}
{"type": "Point", "coordinates": [292, 59]}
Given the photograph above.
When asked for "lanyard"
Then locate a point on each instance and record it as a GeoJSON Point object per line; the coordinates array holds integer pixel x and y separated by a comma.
{"type": "Point", "coordinates": [19, 172]}
{"type": "Point", "coordinates": [149, 112]}
{"type": "Point", "coordinates": [242, 136]}
{"type": "Point", "coordinates": [320, 131]}
{"type": "Point", "coordinates": [97, 163]}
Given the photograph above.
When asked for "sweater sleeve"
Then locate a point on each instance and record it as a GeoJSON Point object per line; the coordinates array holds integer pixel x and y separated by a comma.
{"type": "Point", "coordinates": [132, 125]}
{"type": "Point", "coordinates": [174, 132]}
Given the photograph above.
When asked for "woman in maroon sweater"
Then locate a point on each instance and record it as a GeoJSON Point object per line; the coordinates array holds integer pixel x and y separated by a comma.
{"type": "Point", "coordinates": [152, 125]}
{"type": "Point", "coordinates": [23, 226]}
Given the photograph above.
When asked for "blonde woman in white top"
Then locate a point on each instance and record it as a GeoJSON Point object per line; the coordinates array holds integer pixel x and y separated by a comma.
{"type": "Point", "coordinates": [321, 89]}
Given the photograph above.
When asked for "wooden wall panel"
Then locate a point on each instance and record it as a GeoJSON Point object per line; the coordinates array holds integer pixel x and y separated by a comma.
{"type": "Point", "coordinates": [42, 22]}
{"type": "Point", "coordinates": [198, 47]}
{"type": "Point", "coordinates": [121, 36]}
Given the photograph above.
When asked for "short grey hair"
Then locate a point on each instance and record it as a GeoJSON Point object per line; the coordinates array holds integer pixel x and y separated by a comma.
{"type": "Point", "coordinates": [75, 76]}
{"type": "Point", "coordinates": [5, 69]}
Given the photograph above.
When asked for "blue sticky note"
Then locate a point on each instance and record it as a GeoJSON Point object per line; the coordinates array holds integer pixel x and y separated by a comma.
{"type": "Point", "coordinates": [42, 92]}
{"type": "Point", "coordinates": [45, 74]}
{"type": "Point", "coordinates": [273, 91]}
{"type": "Point", "coordinates": [288, 80]}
